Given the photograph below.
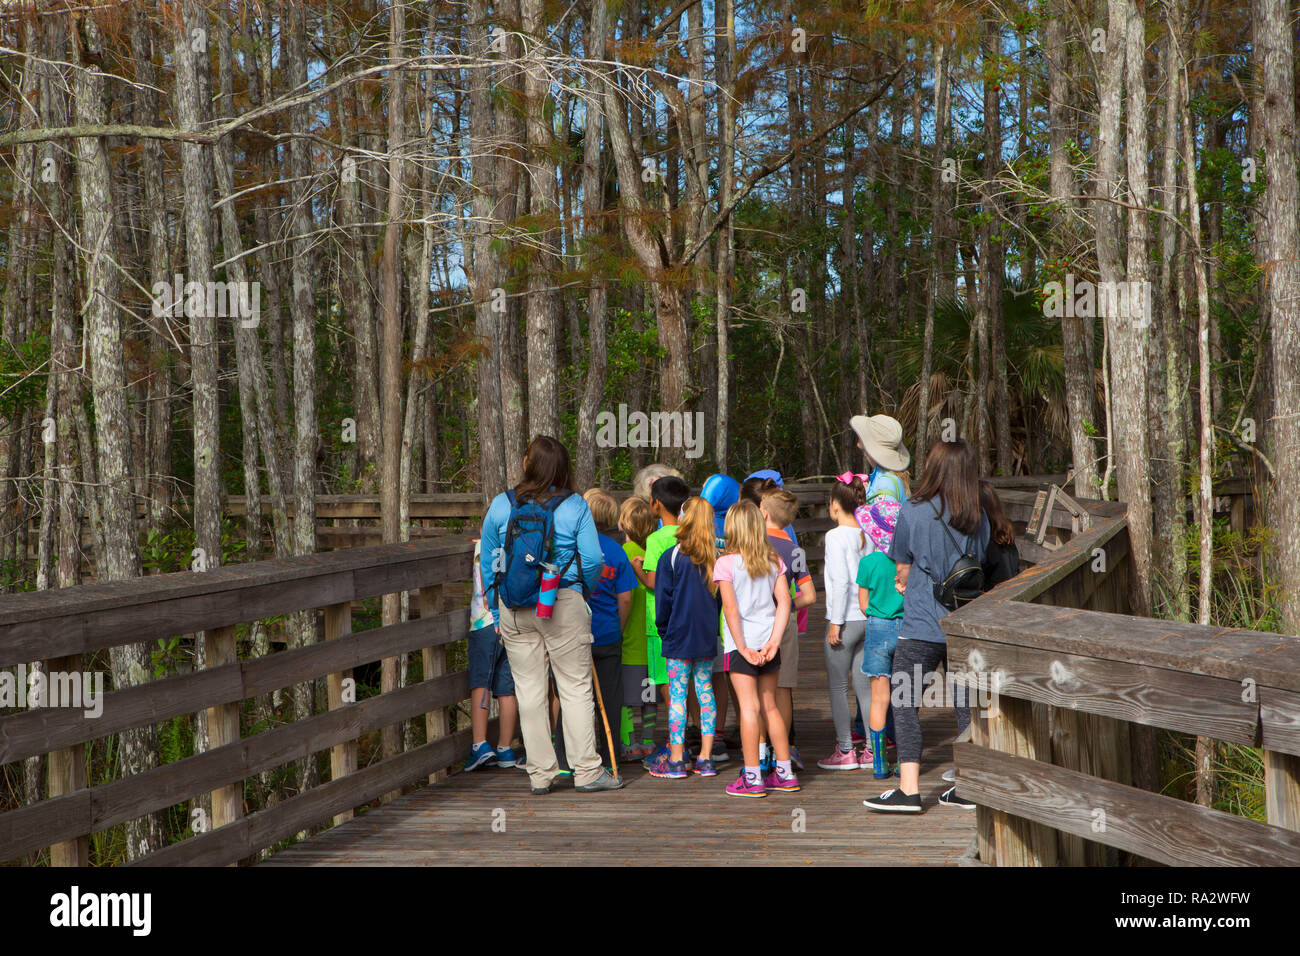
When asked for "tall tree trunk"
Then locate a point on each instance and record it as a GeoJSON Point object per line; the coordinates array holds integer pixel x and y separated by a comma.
{"type": "Point", "coordinates": [130, 663]}
{"type": "Point", "coordinates": [1275, 59]}
{"type": "Point", "coordinates": [941, 111]}
{"type": "Point", "coordinates": [1126, 337]}
{"type": "Point", "coordinates": [1167, 362]}
{"type": "Point", "coordinates": [302, 309]}
{"type": "Point", "coordinates": [391, 367]}
{"type": "Point", "coordinates": [487, 280]}
{"type": "Point", "coordinates": [542, 305]}
{"type": "Point", "coordinates": [593, 196]}
{"type": "Point", "coordinates": [1076, 332]}
{"type": "Point", "coordinates": [725, 56]}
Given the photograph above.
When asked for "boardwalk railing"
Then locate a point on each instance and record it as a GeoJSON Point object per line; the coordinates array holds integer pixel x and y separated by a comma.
{"type": "Point", "coordinates": [64, 627]}
{"type": "Point", "coordinates": [1061, 766]}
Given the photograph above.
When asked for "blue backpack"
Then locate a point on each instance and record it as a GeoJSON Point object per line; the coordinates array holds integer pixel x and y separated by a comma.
{"type": "Point", "coordinates": [526, 546]}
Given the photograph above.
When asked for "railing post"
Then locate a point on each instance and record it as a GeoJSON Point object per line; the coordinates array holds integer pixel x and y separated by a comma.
{"type": "Point", "coordinates": [1019, 842]}
{"type": "Point", "coordinates": [67, 769]}
{"type": "Point", "coordinates": [1282, 789]}
{"type": "Point", "coordinates": [984, 840]}
{"type": "Point", "coordinates": [343, 757]}
{"type": "Point", "coordinates": [435, 665]}
{"type": "Point", "coordinates": [220, 648]}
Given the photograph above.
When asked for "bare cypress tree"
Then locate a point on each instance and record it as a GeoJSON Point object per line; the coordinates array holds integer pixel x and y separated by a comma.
{"type": "Point", "coordinates": [937, 214]}
{"type": "Point", "coordinates": [1126, 335]}
{"type": "Point", "coordinates": [302, 308]}
{"type": "Point", "coordinates": [1076, 332]}
{"type": "Point", "coordinates": [542, 305]}
{"type": "Point", "coordinates": [593, 201]}
{"type": "Point", "coordinates": [486, 278]}
{"type": "Point", "coordinates": [1275, 59]}
{"type": "Point", "coordinates": [129, 663]}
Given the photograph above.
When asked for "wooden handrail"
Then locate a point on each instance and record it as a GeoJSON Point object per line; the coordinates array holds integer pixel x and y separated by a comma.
{"type": "Point", "coordinates": [1049, 766]}
{"type": "Point", "coordinates": [82, 620]}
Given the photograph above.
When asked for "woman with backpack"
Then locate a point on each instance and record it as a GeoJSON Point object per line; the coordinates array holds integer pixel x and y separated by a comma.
{"type": "Point", "coordinates": [939, 543]}
{"type": "Point", "coordinates": [541, 559]}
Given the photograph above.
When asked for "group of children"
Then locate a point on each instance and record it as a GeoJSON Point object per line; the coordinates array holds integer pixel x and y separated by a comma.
{"type": "Point", "coordinates": [698, 605]}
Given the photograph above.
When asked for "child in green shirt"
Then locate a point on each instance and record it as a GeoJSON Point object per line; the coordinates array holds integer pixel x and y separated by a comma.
{"type": "Point", "coordinates": [667, 495]}
{"type": "Point", "coordinates": [883, 606]}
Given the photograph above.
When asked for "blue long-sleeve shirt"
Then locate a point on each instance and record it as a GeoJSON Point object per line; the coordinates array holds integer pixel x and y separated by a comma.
{"type": "Point", "coordinates": [572, 525]}
{"type": "Point", "coordinates": [686, 611]}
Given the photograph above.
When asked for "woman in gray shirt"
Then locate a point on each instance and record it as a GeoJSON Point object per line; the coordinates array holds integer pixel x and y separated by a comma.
{"type": "Point", "coordinates": [942, 521]}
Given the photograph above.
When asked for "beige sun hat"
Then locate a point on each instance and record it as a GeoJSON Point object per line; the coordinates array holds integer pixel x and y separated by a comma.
{"type": "Point", "coordinates": [882, 437]}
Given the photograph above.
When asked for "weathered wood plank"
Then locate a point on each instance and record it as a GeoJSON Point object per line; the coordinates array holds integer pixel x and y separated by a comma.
{"type": "Point", "coordinates": [1157, 827]}
{"type": "Point", "coordinates": [91, 810]}
{"type": "Point", "coordinates": [36, 731]}
{"type": "Point", "coordinates": [1230, 653]}
{"type": "Point", "coordinates": [1156, 696]}
{"type": "Point", "coordinates": [220, 650]}
{"type": "Point", "coordinates": [262, 829]}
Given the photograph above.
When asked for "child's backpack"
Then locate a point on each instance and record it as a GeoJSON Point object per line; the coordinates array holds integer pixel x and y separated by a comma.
{"type": "Point", "coordinates": [965, 582]}
{"type": "Point", "coordinates": [526, 547]}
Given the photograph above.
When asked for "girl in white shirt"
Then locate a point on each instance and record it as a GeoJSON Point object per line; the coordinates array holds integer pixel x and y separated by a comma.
{"type": "Point", "coordinates": [755, 590]}
{"type": "Point", "coordinates": [846, 625]}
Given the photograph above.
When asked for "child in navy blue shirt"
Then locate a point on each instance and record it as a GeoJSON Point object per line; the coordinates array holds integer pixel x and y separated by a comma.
{"type": "Point", "coordinates": [611, 604]}
{"type": "Point", "coordinates": [687, 609]}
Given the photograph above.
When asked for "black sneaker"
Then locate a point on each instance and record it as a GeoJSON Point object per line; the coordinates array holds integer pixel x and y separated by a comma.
{"type": "Point", "coordinates": [894, 801]}
{"type": "Point", "coordinates": [606, 781]}
{"type": "Point", "coordinates": [542, 791]}
{"type": "Point", "coordinates": [950, 798]}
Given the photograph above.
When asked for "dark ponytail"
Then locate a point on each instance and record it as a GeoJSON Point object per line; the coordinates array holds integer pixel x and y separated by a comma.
{"type": "Point", "coordinates": [850, 498]}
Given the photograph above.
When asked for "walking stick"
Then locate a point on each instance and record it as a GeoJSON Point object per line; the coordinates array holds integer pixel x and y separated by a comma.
{"type": "Point", "coordinates": [604, 719]}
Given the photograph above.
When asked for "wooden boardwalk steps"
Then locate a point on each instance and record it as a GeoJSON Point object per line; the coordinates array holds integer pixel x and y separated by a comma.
{"type": "Point", "coordinates": [664, 822]}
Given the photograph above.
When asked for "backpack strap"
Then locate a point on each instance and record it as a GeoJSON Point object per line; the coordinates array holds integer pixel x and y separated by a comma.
{"type": "Point", "coordinates": [965, 551]}
{"type": "Point", "coordinates": [552, 505]}
{"type": "Point", "coordinates": [495, 587]}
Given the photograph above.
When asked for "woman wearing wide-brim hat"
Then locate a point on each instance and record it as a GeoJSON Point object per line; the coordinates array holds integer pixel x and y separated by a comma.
{"type": "Point", "coordinates": [881, 440]}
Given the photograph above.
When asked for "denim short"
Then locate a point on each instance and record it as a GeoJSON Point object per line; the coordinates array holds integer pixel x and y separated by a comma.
{"type": "Point", "coordinates": [878, 651]}
{"type": "Point", "coordinates": [488, 665]}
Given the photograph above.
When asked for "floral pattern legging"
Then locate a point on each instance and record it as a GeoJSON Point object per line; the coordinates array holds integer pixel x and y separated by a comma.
{"type": "Point", "coordinates": [679, 672]}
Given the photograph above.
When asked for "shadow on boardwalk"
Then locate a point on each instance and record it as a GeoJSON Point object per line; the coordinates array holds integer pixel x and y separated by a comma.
{"type": "Point", "coordinates": [665, 822]}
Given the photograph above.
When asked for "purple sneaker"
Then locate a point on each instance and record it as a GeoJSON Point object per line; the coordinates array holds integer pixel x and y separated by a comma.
{"type": "Point", "coordinates": [704, 767]}
{"type": "Point", "coordinates": [670, 770]}
{"type": "Point", "coordinates": [743, 788]}
{"type": "Point", "coordinates": [840, 760]}
{"type": "Point", "coordinates": [775, 781]}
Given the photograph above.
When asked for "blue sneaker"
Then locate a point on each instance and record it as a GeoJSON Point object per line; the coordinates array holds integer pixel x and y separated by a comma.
{"type": "Point", "coordinates": [659, 756]}
{"type": "Point", "coordinates": [670, 769]}
{"type": "Point", "coordinates": [506, 758]}
{"type": "Point", "coordinates": [705, 768]}
{"type": "Point", "coordinates": [480, 756]}
{"type": "Point", "coordinates": [767, 763]}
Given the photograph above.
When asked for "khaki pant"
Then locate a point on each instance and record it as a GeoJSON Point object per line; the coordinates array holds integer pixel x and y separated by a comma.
{"type": "Point", "coordinates": [564, 644]}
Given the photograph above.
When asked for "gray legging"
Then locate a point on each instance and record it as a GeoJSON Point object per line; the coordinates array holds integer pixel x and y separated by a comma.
{"type": "Point", "coordinates": [929, 657]}
{"type": "Point", "coordinates": [844, 662]}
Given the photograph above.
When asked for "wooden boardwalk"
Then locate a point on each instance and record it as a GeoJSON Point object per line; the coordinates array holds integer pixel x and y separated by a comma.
{"type": "Point", "coordinates": [664, 822]}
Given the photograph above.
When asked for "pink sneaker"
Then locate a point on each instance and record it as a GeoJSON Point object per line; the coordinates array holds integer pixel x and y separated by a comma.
{"type": "Point", "coordinates": [840, 760]}
{"type": "Point", "coordinates": [742, 788]}
{"type": "Point", "coordinates": [775, 781]}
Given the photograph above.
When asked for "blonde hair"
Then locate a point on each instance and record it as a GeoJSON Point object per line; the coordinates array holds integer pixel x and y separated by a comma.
{"type": "Point", "coordinates": [636, 519]}
{"type": "Point", "coordinates": [696, 539]}
{"type": "Point", "coordinates": [747, 536]}
{"type": "Point", "coordinates": [604, 509]}
{"type": "Point", "coordinates": [781, 506]}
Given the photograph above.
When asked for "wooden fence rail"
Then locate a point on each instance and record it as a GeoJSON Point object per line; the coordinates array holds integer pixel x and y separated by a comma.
{"type": "Point", "coordinates": [73, 623]}
{"type": "Point", "coordinates": [1060, 763]}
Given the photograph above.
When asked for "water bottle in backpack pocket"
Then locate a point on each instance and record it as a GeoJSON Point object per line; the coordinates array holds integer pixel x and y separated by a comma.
{"type": "Point", "coordinates": [526, 548]}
